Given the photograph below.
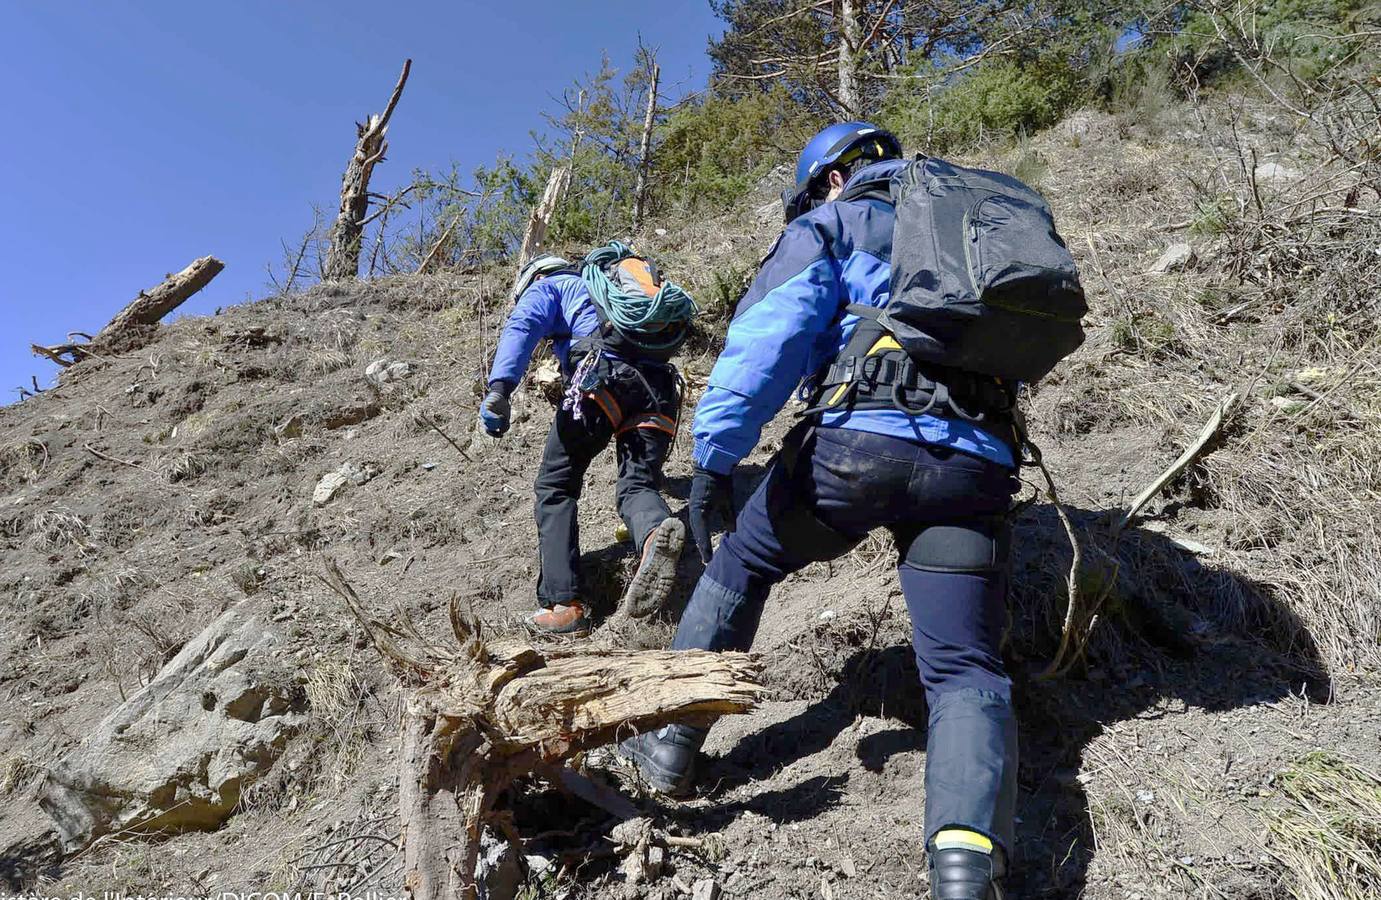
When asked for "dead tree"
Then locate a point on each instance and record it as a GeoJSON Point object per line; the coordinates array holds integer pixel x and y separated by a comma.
{"type": "Point", "coordinates": [645, 148]}
{"type": "Point", "coordinates": [489, 711]}
{"type": "Point", "coordinates": [343, 258]}
{"type": "Point", "coordinates": [535, 235]}
{"type": "Point", "coordinates": [134, 325]}
{"type": "Point", "coordinates": [850, 50]}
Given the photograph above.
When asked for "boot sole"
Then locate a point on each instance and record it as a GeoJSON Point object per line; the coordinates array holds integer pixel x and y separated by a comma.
{"type": "Point", "coordinates": [656, 574]}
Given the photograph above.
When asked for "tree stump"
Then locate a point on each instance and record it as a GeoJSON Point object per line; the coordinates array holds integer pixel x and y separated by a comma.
{"type": "Point", "coordinates": [486, 712]}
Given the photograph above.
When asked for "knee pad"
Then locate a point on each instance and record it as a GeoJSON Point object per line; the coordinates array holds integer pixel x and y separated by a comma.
{"type": "Point", "coordinates": [972, 548]}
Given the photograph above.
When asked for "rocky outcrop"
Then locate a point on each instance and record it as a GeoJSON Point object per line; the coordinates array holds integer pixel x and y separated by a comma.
{"type": "Point", "coordinates": [179, 754]}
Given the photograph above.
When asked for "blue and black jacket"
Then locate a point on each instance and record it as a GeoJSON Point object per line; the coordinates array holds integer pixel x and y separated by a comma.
{"type": "Point", "coordinates": [792, 322]}
{"type": "Point", "coordinates": [558, 307]}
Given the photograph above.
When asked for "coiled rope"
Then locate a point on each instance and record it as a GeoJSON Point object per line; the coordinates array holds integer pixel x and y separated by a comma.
{"type": "Point", "coordinates": [640, 317]}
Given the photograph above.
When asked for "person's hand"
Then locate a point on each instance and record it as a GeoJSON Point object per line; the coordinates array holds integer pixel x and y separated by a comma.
{"type": "Point", "coordinates": [495, 410]}
{"type": "Point", "coordinates": [711, 492]}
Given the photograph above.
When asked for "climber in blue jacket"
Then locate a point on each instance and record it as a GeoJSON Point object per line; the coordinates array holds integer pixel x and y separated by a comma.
{"type": "Point", "coordinates": [942, 484]}
{"type": "Point", "coordinates": [625, 399]}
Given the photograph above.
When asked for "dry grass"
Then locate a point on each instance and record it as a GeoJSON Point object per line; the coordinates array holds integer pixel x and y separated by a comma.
{"type": "Point", "coordinates": [1281, 306]}
{"type": "Point", "coordinates": [16, 771]}
{"type": "Point", "coordinates": [59, 527]}
{"type": "Point", "coordinates": [22, 462]}
{"type": "Point", "coordinates": [325, 360]}
{"type": "Point", "coordinates": [1328, 838]}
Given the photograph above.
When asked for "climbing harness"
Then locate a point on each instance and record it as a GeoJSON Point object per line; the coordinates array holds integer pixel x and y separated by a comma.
{"type": "Point", "coordinates": [625, 392]}
{"type": "Point", "coordinates": [872, 371]}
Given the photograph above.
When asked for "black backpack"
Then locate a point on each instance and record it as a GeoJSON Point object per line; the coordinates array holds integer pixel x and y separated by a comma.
{"type": "Point", "coordinates": [981, 280]}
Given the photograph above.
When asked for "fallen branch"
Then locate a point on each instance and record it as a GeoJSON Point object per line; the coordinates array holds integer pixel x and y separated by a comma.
{"type": "Point", "coordinates": [133, 326]}
{"type": "Point", "coordinates": [486, 712]}
{"type": "Point", "coordinates": [115, 459]}
{"type": "Point", "coordinates": [427, 420]}
{"type": "Point", "coordinates": [1081, 615]}
{"type": "Point", "coordinates": [1206, 436]}
{"type": "Point", "coordinates": [436, 248]}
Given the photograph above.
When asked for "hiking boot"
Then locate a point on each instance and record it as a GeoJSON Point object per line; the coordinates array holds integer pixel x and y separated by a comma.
{"type": "Point", "coordinates": [960, 870]}
{"type": "Point", "coordinates": [666, 757]}
{"type": "Point", "coordinates": [561, 618]}
{"type": "Point", "coordinates": [656, 573]}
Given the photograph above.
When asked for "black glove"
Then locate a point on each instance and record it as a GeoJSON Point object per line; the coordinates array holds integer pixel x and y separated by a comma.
{"type": "Point", "coordinates": [710, 492]}
{"type": "Point", "coordinates": [495, 409]}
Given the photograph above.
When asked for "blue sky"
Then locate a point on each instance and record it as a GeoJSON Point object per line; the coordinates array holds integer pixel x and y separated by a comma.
{"type": "Point", "coordinates": [143, 135]}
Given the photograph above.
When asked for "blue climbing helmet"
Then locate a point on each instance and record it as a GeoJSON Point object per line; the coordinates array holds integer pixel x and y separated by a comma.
{"type": "Point", "coordinates": [838, 144]}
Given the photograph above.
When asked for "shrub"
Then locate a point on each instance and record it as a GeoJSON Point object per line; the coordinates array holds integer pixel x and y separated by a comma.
{"type": "Point", "coordinates": [713, 152]}
{"type": "Point", "coordinates": [1000, 99]}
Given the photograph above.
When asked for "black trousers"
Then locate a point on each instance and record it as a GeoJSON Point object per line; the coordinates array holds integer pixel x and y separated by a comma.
{"type": "Point", "coordinates": [571, 446]}
{"type": "Point", "coordinates": [947, 513]}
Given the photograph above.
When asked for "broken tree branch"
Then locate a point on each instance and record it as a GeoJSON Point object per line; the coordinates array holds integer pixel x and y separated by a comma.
{"type": "Point", "coordinates": [489, 711]}
{"type": "Point", "coordinates": [1206, 436]}
{"type": "Point", "coordinates": [436, 248]}
{"type": "Point", "coordinates": [645, 146]}
{"type": "Point", "coordinates": [133, 326]}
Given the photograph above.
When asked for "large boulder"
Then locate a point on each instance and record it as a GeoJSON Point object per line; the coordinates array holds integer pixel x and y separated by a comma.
{"type": "Point", "coordinates": [179, 754]}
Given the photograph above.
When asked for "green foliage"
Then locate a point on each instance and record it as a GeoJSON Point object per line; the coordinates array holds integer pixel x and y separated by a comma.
{"type": "Point", "coordinates": [499, 214]}
{"type": "Point", "coordinates": [603, 125]}
{"type": "Point", "coordinates": [998, 99]}
{"type": "Point", "coordinates": [1213, 215]}
{"type": "Point", "coordinates": [712, 152]}
{"type": "Point", "coordinates": [1302, 36]}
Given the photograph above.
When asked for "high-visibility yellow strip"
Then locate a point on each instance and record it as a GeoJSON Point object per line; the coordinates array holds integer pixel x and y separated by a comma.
{"type": "Point", "coordinates": [952, 838]}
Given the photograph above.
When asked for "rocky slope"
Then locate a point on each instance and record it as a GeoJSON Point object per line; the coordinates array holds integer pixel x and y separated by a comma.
{"type": "Point", "coordinates": [222, 465]}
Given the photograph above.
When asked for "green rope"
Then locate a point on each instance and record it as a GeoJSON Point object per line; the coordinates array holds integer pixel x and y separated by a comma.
{"type": "Point", "coordinates": [634, 313]}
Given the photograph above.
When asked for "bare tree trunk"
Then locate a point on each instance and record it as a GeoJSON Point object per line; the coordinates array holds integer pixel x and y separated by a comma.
{"type": "Point", "coordinates": [135, 324]}
{"type": "Point", "coordinates": [645, 149]}
{"type": "Point", "coordinates": [850, 52]}
{"type": "Point", "coordinates": [343, 259]}
{"type": "Point", "coordinates": [535, 236]}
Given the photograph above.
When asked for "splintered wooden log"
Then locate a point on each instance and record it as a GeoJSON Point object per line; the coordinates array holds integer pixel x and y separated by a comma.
{"type": "Point", "coordinates": [347, 234]}
{"type": "Point", "coordinates": [535, 235]}
{"type": "Point", "coordinates": [134, 325]}
{"type": "Point", "coordinates": [488, 712]}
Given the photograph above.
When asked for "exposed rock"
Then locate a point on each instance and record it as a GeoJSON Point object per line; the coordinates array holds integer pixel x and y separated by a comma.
{"type": "Point", "coordinates": [705, 889]}
{"type": "Point", "coordinates": [498, 875]}
{"type": "Point", "coordinates": [359, 473]}
{"type": "Point", "coordinates": [1090, 125]}
{"type": "Point", "coordinates": [1178, 256]}
{"type": "Point", "coordinates": [332, 482]}
{"type": "Point", "coordinates": [1275, 173]}
{"type": "Point", "coordinates": [383, 371]}
{"type": "Point", "coordinates": [327, 488]}
{"type": "Point", "coordinates": [179, 754]}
